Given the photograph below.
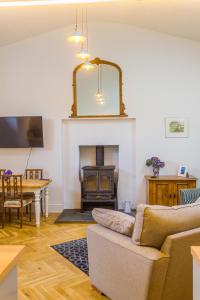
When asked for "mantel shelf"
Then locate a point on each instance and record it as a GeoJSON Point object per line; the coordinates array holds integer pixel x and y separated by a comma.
{"type": "Point", "coordinates": [100, 118]}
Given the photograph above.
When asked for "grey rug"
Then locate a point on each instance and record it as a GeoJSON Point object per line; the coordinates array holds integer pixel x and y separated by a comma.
{"type": "Point", "coordinates": [74, 216]}
{"type": "Point", "coordinates": [76, 252]}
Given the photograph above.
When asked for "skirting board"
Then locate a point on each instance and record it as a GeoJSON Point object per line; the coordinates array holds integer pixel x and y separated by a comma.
{"type": "Point", "coordinates": [56, 208]}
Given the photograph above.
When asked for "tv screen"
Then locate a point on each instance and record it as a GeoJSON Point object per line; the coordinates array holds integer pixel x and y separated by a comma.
{"type": "Point", "coordinates": [21, 132]}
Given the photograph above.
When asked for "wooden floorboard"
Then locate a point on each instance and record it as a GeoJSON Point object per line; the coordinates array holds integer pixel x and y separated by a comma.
{"type": "Point", "coordinates": [43, 273]}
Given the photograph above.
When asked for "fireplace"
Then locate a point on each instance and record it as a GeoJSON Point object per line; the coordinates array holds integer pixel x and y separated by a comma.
{"type": "Point", "coordinates": [99, 184]}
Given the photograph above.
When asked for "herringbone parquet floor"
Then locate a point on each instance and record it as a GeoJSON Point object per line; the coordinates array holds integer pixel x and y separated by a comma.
{"type": "Point", "coordinates": [43, 273]}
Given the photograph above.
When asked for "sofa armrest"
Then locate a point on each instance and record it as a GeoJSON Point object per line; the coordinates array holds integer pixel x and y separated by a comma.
{"type": "Point", "coordinates": [123, 270]}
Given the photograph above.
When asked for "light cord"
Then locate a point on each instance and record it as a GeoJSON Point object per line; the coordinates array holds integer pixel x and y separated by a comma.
{"type": "Point", "coordinates": [76, 26]}
{"type": "Point", "coordinates": [27, 162]}
{"type": "Point", "coordinates": [86, 15]}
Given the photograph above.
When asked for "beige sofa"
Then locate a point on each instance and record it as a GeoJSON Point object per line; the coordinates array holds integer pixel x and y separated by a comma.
{"type": "Point", "coordinates": [123, 270]}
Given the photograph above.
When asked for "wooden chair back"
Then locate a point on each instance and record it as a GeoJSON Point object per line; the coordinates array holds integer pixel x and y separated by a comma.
{"type": "Point", "coordinates": [34, 174]}
{"type": "Point", "coordinates": [12, 187]}
{"type": "Point", "coordinates": [2, 172]}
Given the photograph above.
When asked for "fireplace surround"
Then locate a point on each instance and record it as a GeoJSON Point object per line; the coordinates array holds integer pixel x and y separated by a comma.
{"type": "Point", "coordinates": [80, 136]}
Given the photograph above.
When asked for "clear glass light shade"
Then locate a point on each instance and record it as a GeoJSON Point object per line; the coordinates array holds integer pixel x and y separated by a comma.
{"type": "Point", "coordinates": [99, 95]}
{"type": "Point", "coordinates": [83, 54]}
{"type": "Point", "coordinates": [100, 98]}
{"type": "Point", "coordinates": [102, 101]}
{"type": "Point", "coordinates": [88, 66]}
{"type": "Point", "coordinates": [77, 37]}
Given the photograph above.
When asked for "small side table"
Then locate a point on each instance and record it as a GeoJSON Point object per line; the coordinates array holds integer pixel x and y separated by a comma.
{"type": "Point", "coordinates": [9, 256]}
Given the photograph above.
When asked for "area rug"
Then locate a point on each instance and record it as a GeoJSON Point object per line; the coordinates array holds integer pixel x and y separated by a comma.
{"type": "Point", "coordinates": [76, 252]}
{"type": "Point", "coordinates": [74, 216]}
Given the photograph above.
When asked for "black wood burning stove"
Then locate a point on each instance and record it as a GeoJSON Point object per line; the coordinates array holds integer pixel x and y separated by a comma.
{"type": "Point", "coordinates": [99, 184]}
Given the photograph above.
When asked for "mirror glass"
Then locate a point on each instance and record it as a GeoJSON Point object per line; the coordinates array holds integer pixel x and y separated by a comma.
{"type": "Point", "coordinates": [98, 91]}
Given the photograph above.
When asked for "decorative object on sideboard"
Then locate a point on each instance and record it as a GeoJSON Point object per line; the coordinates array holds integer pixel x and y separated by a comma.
{"type": "Point", "coordinates": [156, 164]}
{"type": "Point", "coordinates": [183, 171]}
{"type": "Point", "coordinates": [176, 127]}
{"type": "Point", "coordinates": [127, 207]}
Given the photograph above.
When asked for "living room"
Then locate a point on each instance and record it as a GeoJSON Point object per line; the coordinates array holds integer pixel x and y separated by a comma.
{"type": "Point", "coordinates": [154, 45]}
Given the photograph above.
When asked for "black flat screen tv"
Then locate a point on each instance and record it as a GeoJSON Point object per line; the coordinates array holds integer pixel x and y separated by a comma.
{"type": "Point", "coordinates": [21, 132]}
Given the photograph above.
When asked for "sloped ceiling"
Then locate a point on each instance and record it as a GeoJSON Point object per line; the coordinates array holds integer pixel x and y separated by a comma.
{"type": "Point", "coordinates": [175, 17]}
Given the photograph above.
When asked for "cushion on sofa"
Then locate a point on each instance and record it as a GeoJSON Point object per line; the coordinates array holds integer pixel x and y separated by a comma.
{"type": "Point", "coordinates": [154, 223]}
{"type": "Point", "coordinates": [114, 220]}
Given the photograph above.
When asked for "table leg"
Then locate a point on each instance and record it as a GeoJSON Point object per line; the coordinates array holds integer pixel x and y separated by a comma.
{"type": "Point", "coordinates": [37, 208]}
{"type": "Point", "coordinates": [46, 202]}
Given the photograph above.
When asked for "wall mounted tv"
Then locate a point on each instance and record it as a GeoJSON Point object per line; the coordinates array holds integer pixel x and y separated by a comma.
{"type": "Point", "coordinates": [21, 132]}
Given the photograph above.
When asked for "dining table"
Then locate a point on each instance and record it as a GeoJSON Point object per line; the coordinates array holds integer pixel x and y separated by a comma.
{"type": "Point", "coordinates": [36, 186]}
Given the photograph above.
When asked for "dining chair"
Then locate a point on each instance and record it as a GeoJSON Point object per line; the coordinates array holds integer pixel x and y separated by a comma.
{"type": "Point", "coordinates": [35, 174]}
{"type": "Point", "coordinates": [12, 193]}
{"type": "Point", "coordinates": [2, 172]}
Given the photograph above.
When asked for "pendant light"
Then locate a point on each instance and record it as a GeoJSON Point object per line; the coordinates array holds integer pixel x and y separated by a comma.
{"type": "Point", "coordinates": [99, 95]}
{"type": "Point", "coordinates": [77, 37]}
{"type": "Point", "coordinates": [83, 54]}
{"type": "Point", "coordinates": [87, 65]}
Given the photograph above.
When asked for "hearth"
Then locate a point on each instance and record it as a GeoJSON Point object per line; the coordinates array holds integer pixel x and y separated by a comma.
{"type": "Point", "coordinates": [99, 184]}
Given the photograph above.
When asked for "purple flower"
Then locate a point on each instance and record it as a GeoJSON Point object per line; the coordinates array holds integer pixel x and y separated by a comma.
{"type": "Point", "coordinates": [155, 162]}
{"type": "Point", "coordinates": [162, 164]}
{"type": "Point", "coordinates": [154, 159]}
{"type": "Point", "coordinates": [8, 172]}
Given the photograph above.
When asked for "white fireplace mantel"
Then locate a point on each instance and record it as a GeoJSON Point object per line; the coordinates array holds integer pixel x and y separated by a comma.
{"type": "Point", "coordinates": [98, 118]}
{"type": "Point", "coordinates": [98, 131]}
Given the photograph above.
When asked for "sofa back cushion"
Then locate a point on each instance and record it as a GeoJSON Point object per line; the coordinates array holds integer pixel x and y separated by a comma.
{"type": "Point", "coordinates": [114, 220]}
{"type": "Point", "coordinates": [154, 223]}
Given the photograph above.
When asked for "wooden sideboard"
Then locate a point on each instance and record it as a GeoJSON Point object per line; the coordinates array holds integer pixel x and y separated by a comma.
{"type": "Point", "coordinates": [164, 190]}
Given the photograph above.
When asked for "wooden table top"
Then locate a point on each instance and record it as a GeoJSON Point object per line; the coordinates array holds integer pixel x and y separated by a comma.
{"type": "Point", "coordinates": [170, 177]}
{"type": "Point", "coordinates": [33, 183]}
{"type": "Point", "coordinates": [9, 256]}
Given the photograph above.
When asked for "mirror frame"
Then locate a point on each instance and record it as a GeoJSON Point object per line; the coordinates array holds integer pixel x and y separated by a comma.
{"type": "Point", "coordinates": [97, 61]}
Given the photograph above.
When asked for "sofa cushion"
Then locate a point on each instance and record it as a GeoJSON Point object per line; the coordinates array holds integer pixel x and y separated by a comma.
{"type": "Point", "coordinates": [154, 223]}
{"type": "Point", "coordinates": [114, 220]}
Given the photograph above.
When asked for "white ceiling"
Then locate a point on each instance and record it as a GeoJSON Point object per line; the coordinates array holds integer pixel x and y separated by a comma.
{"type": "Point", "coordinates": [175, 17]}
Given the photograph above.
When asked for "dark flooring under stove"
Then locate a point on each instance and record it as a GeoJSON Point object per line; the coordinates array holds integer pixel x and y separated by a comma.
{"type": "Point", "coordinates": [76, 216]}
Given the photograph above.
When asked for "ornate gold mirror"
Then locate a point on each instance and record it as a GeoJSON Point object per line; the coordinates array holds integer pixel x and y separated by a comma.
{"type": "Point", "coordinates": [98, 91]}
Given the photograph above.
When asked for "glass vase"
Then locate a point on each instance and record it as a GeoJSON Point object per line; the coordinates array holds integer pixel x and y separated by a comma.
{"type": "Point", "coordinates": [156, 171]}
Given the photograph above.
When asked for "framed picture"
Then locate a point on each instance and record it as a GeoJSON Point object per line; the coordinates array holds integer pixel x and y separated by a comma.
{"type": "Point", "coordinates": [182, 171]}
{"type": "Point", "coordinates": [176, 127]}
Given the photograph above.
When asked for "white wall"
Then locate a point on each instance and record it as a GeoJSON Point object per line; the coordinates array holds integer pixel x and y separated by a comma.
{"type": "Point", "coordinates": [161, 78]}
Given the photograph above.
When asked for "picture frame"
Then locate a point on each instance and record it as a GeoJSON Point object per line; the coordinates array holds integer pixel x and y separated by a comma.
{"type": "Point", "coordinates": [182, 171]}
{"type": "Point", "coordinates": [176, 127]}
